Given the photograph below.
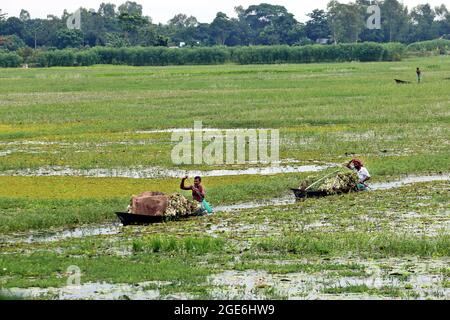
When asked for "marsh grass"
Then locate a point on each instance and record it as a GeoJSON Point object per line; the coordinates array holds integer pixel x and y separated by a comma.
{"type": "Point", "coordinates": [350, 268]}
{"type": "Point", "coordinates": [341, 109]}
{"type": "Point", "coordinates": [44, 269]}
{"type": "Point", "coordinates": [328, 112]}
{"type": "Point", "coordinates": [364, 289]}
{"type": "Point", "coordinates": [190, 245]}
{"type": "Point", "coordinates": [371, 244]}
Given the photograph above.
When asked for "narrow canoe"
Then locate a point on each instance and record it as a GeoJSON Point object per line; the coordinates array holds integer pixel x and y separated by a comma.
{"type": "Point", "coordinates": [132, 219]}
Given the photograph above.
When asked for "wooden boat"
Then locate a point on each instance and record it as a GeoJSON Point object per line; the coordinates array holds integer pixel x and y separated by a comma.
{"type": "Point", "coordinates": [133, 219]}
{"type": "Point", "coordinates": [301, 194]}
{"type": "Point", "coordinates": [401, 81]}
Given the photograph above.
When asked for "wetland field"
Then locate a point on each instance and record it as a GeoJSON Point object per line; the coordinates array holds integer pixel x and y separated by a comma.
{"type": "Point", "coordinates": [76, 143]}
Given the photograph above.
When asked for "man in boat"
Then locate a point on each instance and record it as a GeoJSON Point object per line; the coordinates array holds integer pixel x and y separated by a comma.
{"type": "Point", "coordinates": [361, 170]}
{"type": "Point", "coordinates": [198, 192]}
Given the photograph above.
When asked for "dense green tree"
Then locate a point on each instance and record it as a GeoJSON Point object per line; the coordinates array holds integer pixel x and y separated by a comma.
{"type": "Point", "coordinates": [422, 18]}
{"type": "Point", "coordinates": [131, 8]}
{"type": "Point", "coordinates": [394, 20]}
{"type": "Point", "coordinates": [14, 26]}
{"type": "Point", "coordinates": [441, 26]}
{"type": "Point", "coordinates": [346, 21]}
{"type": "Point", "coordinates": [263, 24]}
{"type": "Point", "coordinates": [222, 29]}
{"type": "Point", "coordinates": [108, 12]}
{"type": "Point", "coordinates": [181, 28]}
{"type": "Point", "coordinates": [131, 24]}
{"type": "Point", "coordinates": [270, 24]}
{"type": "Point", "coordinates": [11, 43]}
{"type": "Point", "coordinates": [66, 38]}
{"type": "Point", "coordinates": [317, 26]}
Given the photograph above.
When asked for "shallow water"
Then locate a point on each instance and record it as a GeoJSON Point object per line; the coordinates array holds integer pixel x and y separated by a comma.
{"type": "Point", "coordinates": [420, 278]}
{"type": "Point", "coordinates": [52, 236]}
{"type": "Point", "coordinates": [155, 172]}
{"type": "Point", "coordinates": [97, 291]}
{"type": "Point", "coordinates": [415, 278]}
{"type": "Point", "coordinates": [408, 180]}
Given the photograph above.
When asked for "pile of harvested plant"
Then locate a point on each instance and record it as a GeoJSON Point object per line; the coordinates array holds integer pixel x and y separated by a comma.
{"type": "Point", "coordinates": [340, 181]}
{"type": "Point", "coordinates": [179, 205]}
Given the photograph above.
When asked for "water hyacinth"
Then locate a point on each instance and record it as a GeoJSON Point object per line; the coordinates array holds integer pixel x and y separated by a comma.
{"type": "Point", "coordinates": [180, 206]}
{"type": "Point", "coordinates": [343, 181]}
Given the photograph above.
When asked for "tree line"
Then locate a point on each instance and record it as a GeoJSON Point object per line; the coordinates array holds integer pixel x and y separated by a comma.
{"type": "Point", "coordinates": [263, 24]}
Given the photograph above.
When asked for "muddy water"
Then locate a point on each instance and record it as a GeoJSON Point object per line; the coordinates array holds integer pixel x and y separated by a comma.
{"type": "Point", "coordinates": [89, 291]}
{"type": "Point", "coordinates": [408, 180]}
{"type": "Point", "coordinates": [113, 229]}
{"type": "Point", "coordinates": [421, 277]}
{"type": "Point", "coordinates": [52, 236]}
{"type": "Point", "coordinates": [414, 278]}
{"type": "Point", "coordinates": [155, 172]}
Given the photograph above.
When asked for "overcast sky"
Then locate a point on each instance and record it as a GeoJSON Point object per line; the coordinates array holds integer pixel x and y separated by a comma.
{"type": "Point", "coordinates": [163, 10]}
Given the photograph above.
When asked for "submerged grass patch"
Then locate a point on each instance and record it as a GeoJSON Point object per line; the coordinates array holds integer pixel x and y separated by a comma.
{"type": "Point", "coordinates": [364, 289]}
{"type": "Point", "coordinates": [192, 245]}
{"type": "Point", "coordinates": [49, 269]}
{"type": "Point", "coordinates": [366, 244]}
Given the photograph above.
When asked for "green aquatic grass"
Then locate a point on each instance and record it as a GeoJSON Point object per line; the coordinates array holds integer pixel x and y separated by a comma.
{"type": "Point", "coordinates": [364, 289]}
{"type": "Point", "coordinates": [350, 268]}
{"type": "Point", "coordinates": [39, 203]}
{"type": "Point", "coordinates": [372, 244]}
{"type": "Point", "coordinates": [198, 245]}
{"type": "Point", "coordinates": [325, 112]}
{"type": "Point", "coordinates": [27, 214]}
{"type": "Point", "coordinates": [47, 269]}
{"type": "Point", "coordinates": [226, 189]}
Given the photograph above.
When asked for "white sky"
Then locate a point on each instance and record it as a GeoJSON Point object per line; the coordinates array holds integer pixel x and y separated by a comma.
{"type": "Point", "coordinates": [163, 10]}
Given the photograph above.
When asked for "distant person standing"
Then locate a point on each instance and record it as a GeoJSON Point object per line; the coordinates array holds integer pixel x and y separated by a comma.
{"type": "Point", "coordinates": [419, 75]}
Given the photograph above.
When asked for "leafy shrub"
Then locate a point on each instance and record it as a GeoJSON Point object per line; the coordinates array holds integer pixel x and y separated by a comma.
{"type": "Point", "coordinates": [10, 60]}
{"type": "Point", "coordinates": [60, 58]}
{"type": "Point", "coordinates": [317, 53]}
{"type": "Point", "coordinates": [440, 46]}
{"type": "Point", "coordinates": [87, 58]}
{"type": "Point", "coordinates": [162, 56]}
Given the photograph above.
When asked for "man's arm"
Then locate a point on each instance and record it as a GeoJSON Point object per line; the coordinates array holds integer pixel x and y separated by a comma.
{"type": "Point", "coordinates": [349, 164]}
{"type": "Point", "coordinates": [183, 184]}
{"type": "Point", "coordinates": [363, 181]}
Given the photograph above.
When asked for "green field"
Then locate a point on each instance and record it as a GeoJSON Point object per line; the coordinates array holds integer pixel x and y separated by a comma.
{"type": "Point", "coordinates": [95, 118]}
